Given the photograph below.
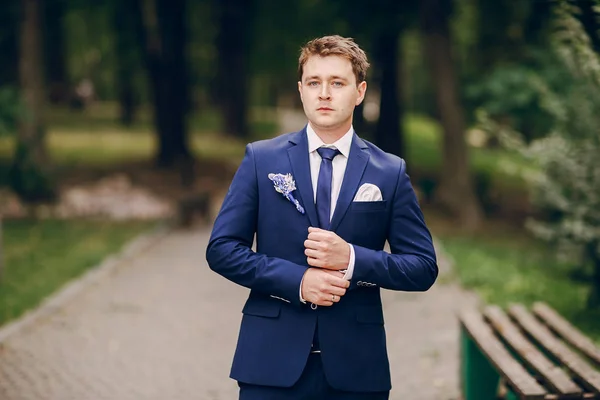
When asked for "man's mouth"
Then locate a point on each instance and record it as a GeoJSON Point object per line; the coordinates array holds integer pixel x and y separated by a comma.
{"type": "Point", "coordinates": [324, 109]}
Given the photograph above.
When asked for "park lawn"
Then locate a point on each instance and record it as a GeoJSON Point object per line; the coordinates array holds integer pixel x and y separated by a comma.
{"type": "Point", "coordinates": [40, 257]}
{"type": "Point", "coordinates": [499, 167]}
{"type": "Point", "coordinates": [506, 265]}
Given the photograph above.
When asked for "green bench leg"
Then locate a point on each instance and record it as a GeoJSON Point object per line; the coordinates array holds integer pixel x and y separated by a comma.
{"type": "Point", "coordinates": [511, 395]}
{"type": "Point", "coordinates": [479, 379]}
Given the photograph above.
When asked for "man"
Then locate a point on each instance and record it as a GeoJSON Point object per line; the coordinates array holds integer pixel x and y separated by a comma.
{"type": "Point", "coordinates": [322, 203]}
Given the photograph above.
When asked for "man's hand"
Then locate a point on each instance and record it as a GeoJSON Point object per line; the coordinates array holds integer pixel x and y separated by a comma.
{"type": "Point", "coordinates": [325, 249]}
{"type": "Point", "coordinates": [323, 287]}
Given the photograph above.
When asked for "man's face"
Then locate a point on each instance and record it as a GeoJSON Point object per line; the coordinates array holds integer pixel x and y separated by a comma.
{"type": "Point", "coordinates": [329, 92]}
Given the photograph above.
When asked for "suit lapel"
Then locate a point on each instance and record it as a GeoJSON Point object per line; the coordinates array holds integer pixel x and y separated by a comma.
{"type": "Point", "coordinates": [357, 162]}
{"type": "Point", "coordinates": [299, 160]}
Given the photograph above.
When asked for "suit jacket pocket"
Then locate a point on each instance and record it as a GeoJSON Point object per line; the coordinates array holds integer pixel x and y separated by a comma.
{"type": "Point", "coordinates": [367, 206]}
{"type": "Point", "coordinates": [262, 309]}
{"type": "Point", "coordinates": [370, 315]}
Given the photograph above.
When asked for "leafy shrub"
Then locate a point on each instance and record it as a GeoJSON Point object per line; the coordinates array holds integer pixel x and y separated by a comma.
{"type": "Point", "coordinates": [566, 183]}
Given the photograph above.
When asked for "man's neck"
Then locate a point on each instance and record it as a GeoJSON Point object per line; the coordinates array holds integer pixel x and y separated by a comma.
{"type": "Point", "coordinates": [329, 136]}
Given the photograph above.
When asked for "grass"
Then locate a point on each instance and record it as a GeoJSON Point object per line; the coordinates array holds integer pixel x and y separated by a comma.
{"type": "Point", "coordinates": [96, 138]}
{"type": "Point", "coordinates": [424, 153]}
{"type": "Point", "coordinates": [39, 257]}
{"type": "Point", "coordinates": [505, 265]}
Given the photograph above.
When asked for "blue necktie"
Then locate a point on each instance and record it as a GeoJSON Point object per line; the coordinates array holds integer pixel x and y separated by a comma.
{"type": "Point", "coordinates": [323, 203]}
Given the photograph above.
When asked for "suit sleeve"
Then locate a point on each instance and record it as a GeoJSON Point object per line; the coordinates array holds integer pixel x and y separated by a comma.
{"type": "Point", "coordinates": [229, 251]}
{"type": "Point", "coordinates": [411, 265]}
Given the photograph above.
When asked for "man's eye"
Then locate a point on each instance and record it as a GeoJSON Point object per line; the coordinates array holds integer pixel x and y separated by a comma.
{"type": "Point", "coordinates": [313, 83]}
{"type": "Point", "coordinates": [338, 84]}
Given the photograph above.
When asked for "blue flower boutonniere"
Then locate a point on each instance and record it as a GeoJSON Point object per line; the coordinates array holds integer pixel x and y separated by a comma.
{"type": "Point", "coordinates": [285, 185]}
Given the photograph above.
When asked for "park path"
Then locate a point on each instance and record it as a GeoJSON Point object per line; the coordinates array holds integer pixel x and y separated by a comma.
{"type": "Point", "coordinates": [162, 325]}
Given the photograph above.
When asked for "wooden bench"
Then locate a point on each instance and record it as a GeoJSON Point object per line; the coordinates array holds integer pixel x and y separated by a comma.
{"type": "Point", "coordinates": [520, 354]}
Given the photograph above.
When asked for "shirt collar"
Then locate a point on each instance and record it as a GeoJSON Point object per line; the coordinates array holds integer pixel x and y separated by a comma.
{"type": "Point", "coordinates": [343, 144]}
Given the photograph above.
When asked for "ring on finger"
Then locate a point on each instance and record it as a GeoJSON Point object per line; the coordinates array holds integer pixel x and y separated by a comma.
{"type": "Point", "coordinates": [333, 297]}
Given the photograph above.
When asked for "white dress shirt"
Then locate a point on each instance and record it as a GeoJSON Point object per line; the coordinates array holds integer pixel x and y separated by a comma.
{"type": "Point", "coordinates": [339, 163]}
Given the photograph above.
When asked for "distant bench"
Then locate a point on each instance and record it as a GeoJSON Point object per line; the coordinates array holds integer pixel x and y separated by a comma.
{"type": "Point", "coordinates": [526, 355]}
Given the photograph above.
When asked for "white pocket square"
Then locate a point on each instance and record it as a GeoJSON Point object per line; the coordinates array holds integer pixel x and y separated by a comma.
{"type": "Point", "coordinates": [368, 192]}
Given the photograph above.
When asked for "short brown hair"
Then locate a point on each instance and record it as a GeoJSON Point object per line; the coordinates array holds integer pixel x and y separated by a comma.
{"type": "Point", "coordinates": [335, 45]}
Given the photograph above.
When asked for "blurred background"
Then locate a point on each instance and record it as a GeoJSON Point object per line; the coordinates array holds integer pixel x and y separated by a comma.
{"type": "Point", "coordinates": [116, 114]}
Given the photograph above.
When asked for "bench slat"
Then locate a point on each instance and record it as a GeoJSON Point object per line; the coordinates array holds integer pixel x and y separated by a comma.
{"type": "Point", "coordinates": [514, 373]}
{"type": "Point", "coordinates": [551, 374]}
{"type": "Point", "coordinates": [587, 376]}
{"type": "Point", "coordinates": [567, 331]}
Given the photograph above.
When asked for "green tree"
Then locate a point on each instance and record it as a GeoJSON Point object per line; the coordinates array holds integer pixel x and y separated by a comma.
{"type": "Point", "coordinates": [9, 43]}
{"type": "Point", "coordinates": [456, 191]}
{"type": "Point", "coordinates": [162, 30]}
{"type": "Point", "coordinates": [127, 58]}
{"type": "Point", "coordinates": [55, 57]}
{"type": "Point", "coordinates": [29, 174]}
{"type": "Point", "coordinates": [566, 185]}
{"type": "Point", "coordinates": [234, 39]}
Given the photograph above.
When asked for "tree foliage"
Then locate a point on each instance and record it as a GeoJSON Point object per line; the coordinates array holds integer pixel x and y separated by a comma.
{"type": "Point", "coordinates": [566, 182]}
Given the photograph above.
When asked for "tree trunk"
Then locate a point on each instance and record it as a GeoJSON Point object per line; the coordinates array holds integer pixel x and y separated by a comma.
{"type": "Point", "coordinates": [233, 39]}
{"type": "Point", "coordinates": [456, 190]}
{"type": "Point", "coordinates": [9, 44]}
{"type": "Point", "coordinates": [127, 59]}
{"type": "Point", "coordinates": [388, 131]}
{"type": "Point", "coordinates": [162, 30]}
{"type": "Point", "coordinates": [54, 51]}
{"type": "Point", "coordinates": [29, 173]}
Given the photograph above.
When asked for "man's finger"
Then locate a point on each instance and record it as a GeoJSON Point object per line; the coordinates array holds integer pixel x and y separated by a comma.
{"type": "Point", "coordinates": [338, 291]}
{"type": "Point", "coordinates": [311, 253]}
{"type": "Point", "coordinates": [339, 282]}
{"type": "Point", "coordinates": [319, 236]}
{"type": "Point", "coordinates": [314, 262]}
{"type": "Point", "coordinates": [311, 244]}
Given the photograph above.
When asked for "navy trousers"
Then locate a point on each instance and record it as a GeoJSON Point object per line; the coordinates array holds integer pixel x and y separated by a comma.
{"type": "Point", "coordinates": [312, 385]}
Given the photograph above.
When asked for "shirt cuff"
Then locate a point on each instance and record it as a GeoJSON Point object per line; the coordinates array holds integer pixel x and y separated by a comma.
{"type": "Point", "coordinates": [300, 292]}
{"type": "Point", "coordinates": [350, 270]}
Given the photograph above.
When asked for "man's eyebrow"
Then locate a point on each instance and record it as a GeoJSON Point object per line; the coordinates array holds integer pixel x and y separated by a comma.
{"type": "Point", "coordinates": [308, 78]}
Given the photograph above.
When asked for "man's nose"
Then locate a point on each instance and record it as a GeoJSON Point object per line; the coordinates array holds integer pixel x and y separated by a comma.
{"type": "Point", "coordinates": [324, 94]}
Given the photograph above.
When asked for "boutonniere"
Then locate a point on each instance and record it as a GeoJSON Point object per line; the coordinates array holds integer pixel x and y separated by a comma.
{"type": "Point", "coordinates": [285, 185]}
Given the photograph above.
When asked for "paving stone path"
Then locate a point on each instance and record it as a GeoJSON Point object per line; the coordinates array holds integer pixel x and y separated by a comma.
{"type": "Point", "coordinates": [161, 325]}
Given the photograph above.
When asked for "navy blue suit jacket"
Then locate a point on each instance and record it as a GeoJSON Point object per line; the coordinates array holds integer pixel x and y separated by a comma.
{"type": "Point", "coordinates": [277, 329]}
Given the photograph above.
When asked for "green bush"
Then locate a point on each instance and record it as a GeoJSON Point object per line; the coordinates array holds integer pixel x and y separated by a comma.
{"type": "Point", "coordinates": [566, 184]}
{"type": "Point", "coordinates": [514, 95]}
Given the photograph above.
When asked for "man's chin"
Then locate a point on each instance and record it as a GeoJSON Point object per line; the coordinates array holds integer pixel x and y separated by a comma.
{"type": "Point", "coordinates": [325, 122]}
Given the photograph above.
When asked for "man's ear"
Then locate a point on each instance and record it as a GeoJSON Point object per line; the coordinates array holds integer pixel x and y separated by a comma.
{"type": "Point", "coordinates": [362, 90]}
{"type": "Point", "coordinates": [300, 90]}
